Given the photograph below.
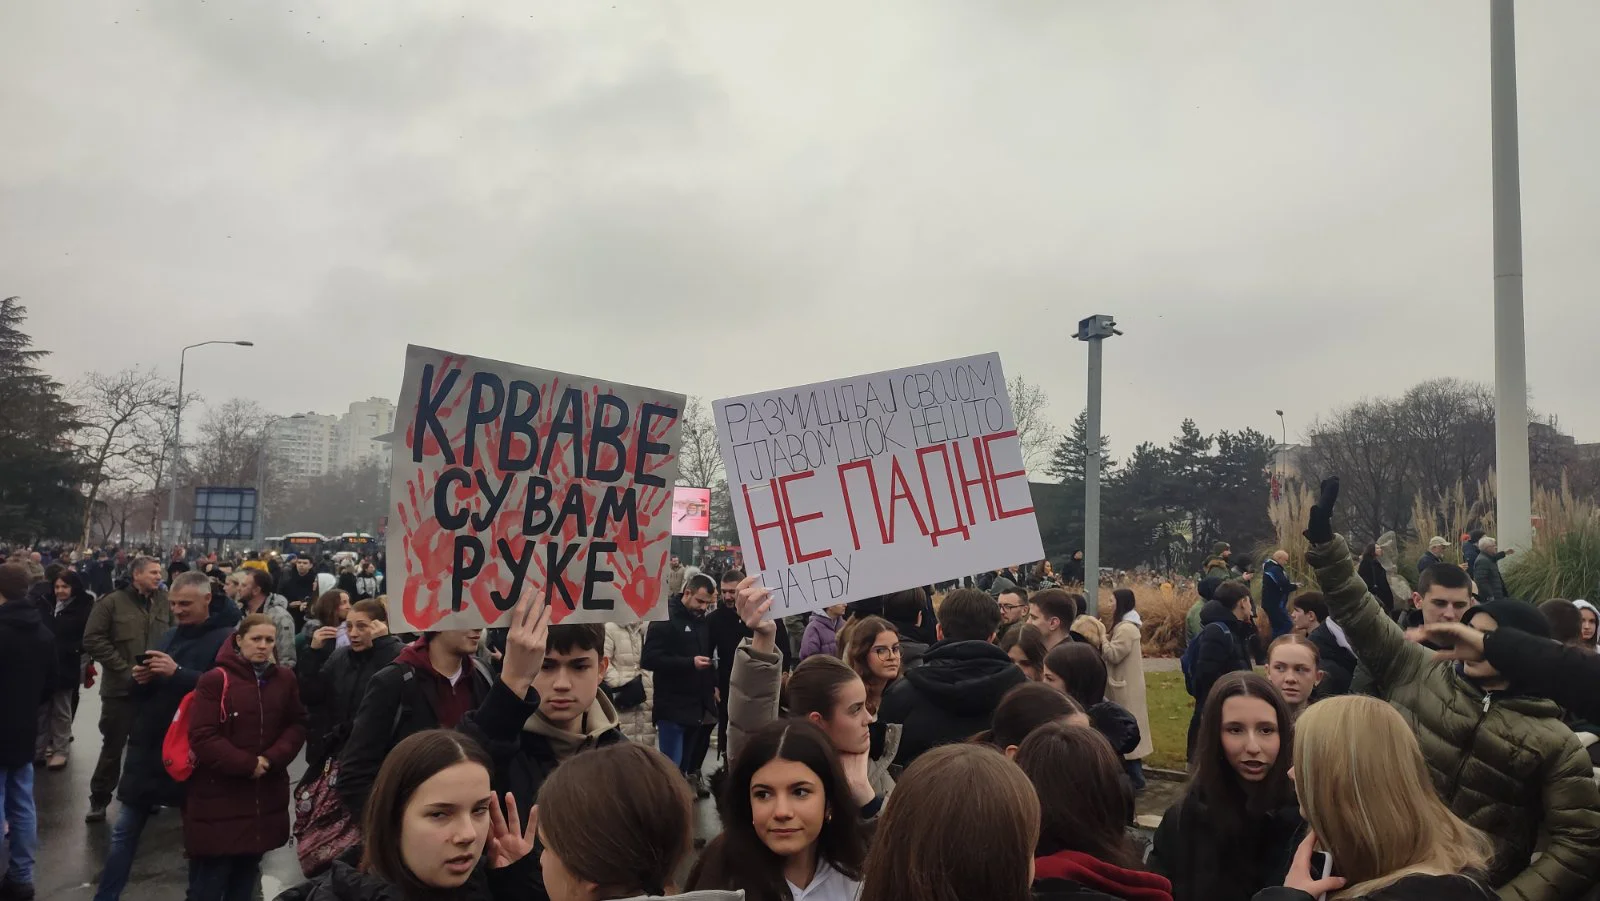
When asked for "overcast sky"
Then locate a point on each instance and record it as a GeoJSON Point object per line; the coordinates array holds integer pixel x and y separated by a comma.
{"type": "Point", "coordinates": [1285, 205]}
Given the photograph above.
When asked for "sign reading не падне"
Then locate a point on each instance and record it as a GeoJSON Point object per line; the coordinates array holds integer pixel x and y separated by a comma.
{"type": "Point", "coordinates": [868, 485]}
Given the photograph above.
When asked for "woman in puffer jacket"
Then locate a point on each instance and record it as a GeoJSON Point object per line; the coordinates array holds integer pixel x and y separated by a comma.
{"type": "Point", "coordinates": [624, 677]}
{"type": "Point", "coordinates": [246, 726]}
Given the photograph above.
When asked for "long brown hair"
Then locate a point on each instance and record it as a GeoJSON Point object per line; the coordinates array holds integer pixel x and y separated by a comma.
{"type": "Point", "coordinates": [1031, 642]}
{"type": "Point", "coordinates": [630, 837]}
{"type": "Point", "coordinates": [738, 858]}
{"type": "Point", "coordinates": [1023, 709]}
{"type": "Point", "coordinates": [325, 609]}
{"type": "Point", "coordinates": [1086, 803]}
{"type": "Point", "coordinates": [814, 685]}
{"type": "Point", "coordinates": [415, 760]}
{"type": "Point", "coordinates": [1212, 780]}
{"type": "Point", "coordinates": [863, 635]}
{"type": "Point", "coordinates": [962, 824]}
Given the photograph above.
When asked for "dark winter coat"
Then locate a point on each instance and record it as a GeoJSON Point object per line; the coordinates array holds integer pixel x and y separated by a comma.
{"type": "Point", "coordinates": [343, 882]}
{"type": "Point", "coordinates": [401, 700]}
{"type": "Point", "coordinates": [1486, 572]}
{"type": "Point", "coordinates": [1426, 562]}
{"type": "Point", "coordinates": [1539, 666]}
{"type": "Point", "coordinates": [1205, 863]}
{"type": "Point", "coordinates": [1502, 761]}
{"type": "Point", "coordinates": [1117, 724]}
{"type": "Point", "coordinates": [1377, 579]}
{"type": "Point", "coordinates": [1075, 876]}
{"type": "Point", "coordinates": [684, 695]}
{"type": "Point", "coordinates": [145, 782]}
{"type": "Point", "coordinates": [1222, 647]}
{"type": "Point", "coordinates": [332, 683]}
{"type": "Point", "coordinates": [949, 697]}
{"type": "Point", "coordinates": [1411, 888]}
{"type": "Point", "coordinates": [231, 723]}
{"type": "Point", "coordinates": [67, 629]}
{"type": "Point", "coordinates": [520, 742]}
{"type": "Point", "coordinates": [27, 678]}
{"type": "Point", "coordinates": [1336, 662]}
{"type": "Point", "coordinates": [1276, 586]}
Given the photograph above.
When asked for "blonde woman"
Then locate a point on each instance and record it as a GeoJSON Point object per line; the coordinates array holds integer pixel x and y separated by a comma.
{"type": "Point", "coordinates": [1124, 656]}
{"type": "Point", "coordinates": [1366, 793]}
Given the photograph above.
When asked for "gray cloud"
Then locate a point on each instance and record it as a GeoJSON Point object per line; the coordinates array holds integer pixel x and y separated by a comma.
{"type": "Point", "coordinates": [1285, 205]}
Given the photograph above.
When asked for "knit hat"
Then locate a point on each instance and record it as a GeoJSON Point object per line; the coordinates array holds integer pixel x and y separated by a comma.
{"type": "Point", "coordinates": [1510, 613]}
{"type": "Point", "coordinates": [1207, 587]}
{"type": "Point", "coordinates": [1219, 547]}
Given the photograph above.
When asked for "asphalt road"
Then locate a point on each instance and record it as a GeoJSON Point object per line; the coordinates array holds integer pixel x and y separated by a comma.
{"type": "Point", "coordinates": [71, 852]}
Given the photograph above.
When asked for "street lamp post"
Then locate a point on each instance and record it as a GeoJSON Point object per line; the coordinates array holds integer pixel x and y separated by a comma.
{"type": "Point", "coordinates": [1093, 330]}
{"type": "Point", "coordinates": [177, 440]}
{"type": "Point", "coordinates": [1513, 492]}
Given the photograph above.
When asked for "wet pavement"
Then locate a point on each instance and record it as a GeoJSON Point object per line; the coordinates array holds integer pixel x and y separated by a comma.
{"type": "Point", "coordinates": [71, 851]}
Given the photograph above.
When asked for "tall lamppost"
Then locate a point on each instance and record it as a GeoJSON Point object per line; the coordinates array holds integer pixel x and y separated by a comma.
{"type": "Point", "coordinates": [177, 440]}
{"type": "Point", "coordinates": [1094, 331]}
{"type": "Point", "coordinates": [1513, 491]}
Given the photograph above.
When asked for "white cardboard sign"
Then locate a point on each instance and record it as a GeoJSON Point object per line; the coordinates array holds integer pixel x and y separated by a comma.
{"type": "Point", "coordinates": [863, 486]}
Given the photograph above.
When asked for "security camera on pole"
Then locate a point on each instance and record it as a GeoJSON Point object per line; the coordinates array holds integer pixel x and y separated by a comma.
{"type": "Point", "coordinates": [1094, 330]}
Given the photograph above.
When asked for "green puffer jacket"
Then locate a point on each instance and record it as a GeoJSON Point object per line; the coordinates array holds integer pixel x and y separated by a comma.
{"type": "Point", "coordinates": [1504, 764]}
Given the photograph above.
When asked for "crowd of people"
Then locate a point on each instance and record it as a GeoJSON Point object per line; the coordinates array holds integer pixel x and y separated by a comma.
{"type": "Point", "coordinates": [989, 746]}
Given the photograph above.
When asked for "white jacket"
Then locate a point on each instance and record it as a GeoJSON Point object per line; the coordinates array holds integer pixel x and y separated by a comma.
{"type": "Point", "coordinates": [624, 646]}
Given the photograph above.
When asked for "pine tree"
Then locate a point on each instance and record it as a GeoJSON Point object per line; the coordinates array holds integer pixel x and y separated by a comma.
{"type": "Point", "coordinates": [40, 473]}
{"type": "Point", "coordinates": [1067, 465]}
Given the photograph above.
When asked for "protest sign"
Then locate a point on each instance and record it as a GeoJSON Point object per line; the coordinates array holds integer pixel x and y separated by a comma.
{"type": "Point", "coordinates": [691, 512]}
{"type": "Point", "coordinates": [508, 475]}
{"type": "Point", "coordinates": [868, 485]}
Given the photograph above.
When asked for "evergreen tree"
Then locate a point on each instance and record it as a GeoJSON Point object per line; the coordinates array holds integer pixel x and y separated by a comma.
{"type": "Point", "coordinates": [40, 473]}
{"type": "Point", "coordinates": [1067, 464]}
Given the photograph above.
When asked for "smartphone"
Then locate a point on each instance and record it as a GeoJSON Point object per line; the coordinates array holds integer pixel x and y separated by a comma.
{"type": "Point", "coordinates": [1321, 868]}
{"type": "Point", "coordinates": [142, 658]}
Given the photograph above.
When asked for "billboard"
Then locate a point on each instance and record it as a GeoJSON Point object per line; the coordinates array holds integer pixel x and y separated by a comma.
{"type": "Point", "coordinates": [226, 513]}
{"type": "Point", "coordinates": [691, 512]}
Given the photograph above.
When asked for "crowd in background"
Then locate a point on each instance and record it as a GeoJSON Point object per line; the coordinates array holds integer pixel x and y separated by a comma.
{"type": "Point", "coordinates": [987, 746]}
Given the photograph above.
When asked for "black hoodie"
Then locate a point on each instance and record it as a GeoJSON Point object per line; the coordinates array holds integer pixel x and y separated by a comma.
{"type": "Point", "coordinates": [1222, 647]}
{"type": "Point", "coordinates": [950, 697]}
{"type": "Point", "coordinates": [27, 670]}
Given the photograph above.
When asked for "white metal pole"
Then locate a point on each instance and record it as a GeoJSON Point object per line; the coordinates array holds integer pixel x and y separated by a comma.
{"type": "Point", "coordinates": [1513, 489]}
{"type": "Point", "coordinates": [1091, 485]}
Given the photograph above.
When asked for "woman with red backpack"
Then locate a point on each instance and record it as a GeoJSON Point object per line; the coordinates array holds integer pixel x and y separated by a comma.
{"type": "Point", "coordinates": [247, 724]}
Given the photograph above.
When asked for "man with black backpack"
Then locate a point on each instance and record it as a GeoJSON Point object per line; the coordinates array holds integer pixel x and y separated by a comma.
{"type": "Point", "coordinates": [432, 684]}
{"type": "Point", "coordinates": [1227, 631]}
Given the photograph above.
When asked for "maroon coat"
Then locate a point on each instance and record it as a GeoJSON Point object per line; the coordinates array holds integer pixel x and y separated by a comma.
{"type": "Point", "coordinates": [226, 810]}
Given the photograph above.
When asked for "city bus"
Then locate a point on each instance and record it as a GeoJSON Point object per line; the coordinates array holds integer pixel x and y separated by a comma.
{"type": "Point", "coordinates": [359, 543]}
{"type": "Point", "coordinates": [304, 544]}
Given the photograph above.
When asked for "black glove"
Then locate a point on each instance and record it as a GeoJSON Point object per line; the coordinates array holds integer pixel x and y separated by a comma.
{"type": "Point", "coordinates": [1319, 530]}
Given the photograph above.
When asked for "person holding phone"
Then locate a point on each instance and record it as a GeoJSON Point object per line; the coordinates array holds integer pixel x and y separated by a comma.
{"type": "Point", "coordinates": [1375, 818]}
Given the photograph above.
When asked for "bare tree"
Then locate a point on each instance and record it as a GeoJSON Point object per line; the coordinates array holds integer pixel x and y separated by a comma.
{"type": "Point", "coordinates": [1035, 432]}
{"type": "Point", "coordinates": [121, 423]}
{"type": "Point", "coordinates": [1359, 444]}
{"type": "Point", "coordinates": [699, 454]}
{"type": "Point", "coordinates": [232, 441]}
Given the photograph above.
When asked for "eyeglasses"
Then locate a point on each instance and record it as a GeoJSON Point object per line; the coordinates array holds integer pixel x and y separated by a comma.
{"type": "Point", "coordinates": [1007, 608]}
{"type": "Point", "coordinates": [888, 652]}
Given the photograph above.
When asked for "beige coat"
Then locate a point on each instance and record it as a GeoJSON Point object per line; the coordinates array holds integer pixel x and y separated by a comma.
{"type": "Point", "coordinates": [624, 644]}
{"type": "Point", "coordinates": [1125, 680]}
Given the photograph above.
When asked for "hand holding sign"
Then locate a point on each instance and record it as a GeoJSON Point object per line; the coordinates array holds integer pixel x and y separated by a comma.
{"type": "Point", "coordinates": [525, 642]}
{"type": "Point", "coordinates": [752, 602]}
